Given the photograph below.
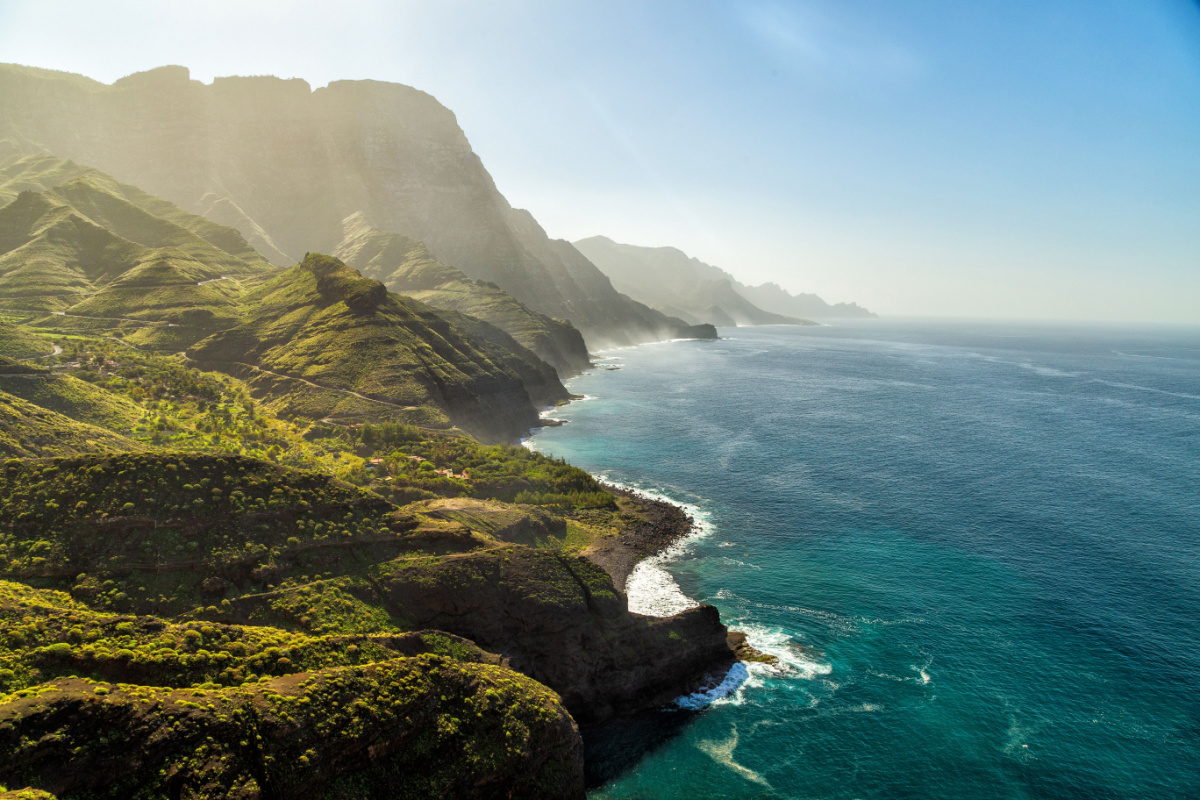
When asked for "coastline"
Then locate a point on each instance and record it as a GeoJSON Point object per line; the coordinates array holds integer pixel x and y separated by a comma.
{"type": "Point", "coordinates": [666, 524]}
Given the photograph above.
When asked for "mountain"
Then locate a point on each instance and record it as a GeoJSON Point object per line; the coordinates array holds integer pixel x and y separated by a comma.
{"type": "Point", "coordinates": [671, 281]}
{"type": "Point", "coordinates": [325, 341]}
{"type": "Point", "coordinates": [74, 241]}
{"type": "Point", "coordinates": [773, 297]}
{"type": "Point", "coordinates": [285, 165]}
{"type": "Point", "coordinates": [667, 279]}
{"type": "Point", "coordinates": [102, 204]}
{"type": "Point", "coordinates": [95, 256]}
{"type": "Point", "coordinates": [406, 266]}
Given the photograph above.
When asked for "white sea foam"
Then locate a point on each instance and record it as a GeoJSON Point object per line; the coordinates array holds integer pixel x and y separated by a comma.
{"type": "Point", "coordinates": [733, 680]}
{"type": "Point", "coordinates": [650, 589]}
{"type": "Point", "coordinates": [722, 753]}
{"type": "Point", "coordinates": [1049, 372]}
{"type": "Point", "coordinates": [795, 660]}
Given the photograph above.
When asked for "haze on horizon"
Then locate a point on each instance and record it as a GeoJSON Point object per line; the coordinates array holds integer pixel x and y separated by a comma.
{"type": "Point", "coordinates": [1027, 160]}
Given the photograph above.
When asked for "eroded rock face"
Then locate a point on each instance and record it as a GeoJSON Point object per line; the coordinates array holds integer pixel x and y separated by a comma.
{"type": "Point", "coordinates": [285, 165]}
{"type": "Point", "coordinates": [560, 620]}
{"type": "Point", "coordinates": [411, 727]}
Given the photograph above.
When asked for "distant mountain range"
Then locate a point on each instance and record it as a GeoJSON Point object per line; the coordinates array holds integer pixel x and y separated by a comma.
{"type": "Point", "coordinates": [669, 280]}
{"type": "Point", "coordinates": [286, 165]}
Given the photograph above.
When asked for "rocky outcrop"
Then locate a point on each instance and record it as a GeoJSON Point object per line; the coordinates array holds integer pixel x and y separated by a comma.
{"type": "Point", "coordinates": [284, 165]}
{"type": "Point", "coordinates": [560, 620]}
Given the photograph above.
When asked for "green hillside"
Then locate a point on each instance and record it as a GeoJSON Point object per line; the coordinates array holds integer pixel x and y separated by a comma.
{"type": "Point", "coordinates": [50, 257]}
{"type": "Point", "coordinates": [406, 266]}
{"type": "Point", "coordinates": [399, 716]}
{"type": "Point", "coordinates": [17, 342]}
{"type": "Point", "coordinates": [53, 259]}
{"type": "Point", "coordinates": [82, 255]}
{"type": "Point", "coordinates": [226, 541]}
{"type": "Point", "coordinates": [28, 430]}
{"type": "Point", "coordinates": [103, 255]}
{"type": "Point", "coordinates": [106, 200]}
{"type": "Point", "coordinates": [71, 397]}
{"type": "Point", "coordinates": [223, 581]}
{"type": "Point", "coordinates": [326, 342]}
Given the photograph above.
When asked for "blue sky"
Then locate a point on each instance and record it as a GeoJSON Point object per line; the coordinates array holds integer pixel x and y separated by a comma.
{"type": "Point", "coordinates": [986, 158]}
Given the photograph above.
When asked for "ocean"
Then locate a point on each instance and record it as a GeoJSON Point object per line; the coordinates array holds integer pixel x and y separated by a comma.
{"type": "Point", "coordinates": [974, 548]}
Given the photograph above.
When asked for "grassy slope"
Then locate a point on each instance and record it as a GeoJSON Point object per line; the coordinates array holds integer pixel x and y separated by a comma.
{"type": "Point", "coordinates": [73, 398]}
{"type": "Point", "coordinates": [50, 255]}
{"type": "Point", "coordinates": [16, 342]}
{"type": "Point", "coordinates": [436, 717]}
{"type": "Point", "coordinates": [99, 193]}
{"type": "Point", "coordinates": [324, 323]}
{"type": "Point", "coordinates": [406, 266]}
{"type": "Point", "coordinates": [28, 430]}
{"type": "Point", "coordinates": [74, 240]}
{"type": "Point", "coordinates": [53, 258]}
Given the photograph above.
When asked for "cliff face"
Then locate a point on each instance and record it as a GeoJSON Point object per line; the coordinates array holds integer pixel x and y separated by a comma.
{"type": "Point", "coordinates": [560, 620]}
{"type": "Point", "coordinates": [669, 280]}
{"type": "Point", "coordinates": [285, 165]}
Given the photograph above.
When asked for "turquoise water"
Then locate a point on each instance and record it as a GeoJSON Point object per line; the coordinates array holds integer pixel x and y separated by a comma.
{"type": "Point", "coordinates": [976, 549]}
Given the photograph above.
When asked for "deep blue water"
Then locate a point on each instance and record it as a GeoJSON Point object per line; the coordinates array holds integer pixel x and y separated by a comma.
{"type": "Point", "coordinates": [976, 548]}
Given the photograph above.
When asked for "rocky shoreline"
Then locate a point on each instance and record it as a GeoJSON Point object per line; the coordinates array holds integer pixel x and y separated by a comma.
{"type": "Point", "coordinates": [665, 524]}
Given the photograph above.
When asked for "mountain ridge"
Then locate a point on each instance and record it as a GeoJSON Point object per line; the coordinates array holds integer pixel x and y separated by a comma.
{"type": "Point", "coordinates": [669, 279]}
{"type": "Point", "coordinates": [286, 164]}
{"type": "Point", "coordinates": [406, 266]}
{"type": "Point", "coordinates": [321, 323]}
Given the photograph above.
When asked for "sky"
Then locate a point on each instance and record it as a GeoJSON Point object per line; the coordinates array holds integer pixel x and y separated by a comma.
{"type": "Point", "coordinates": [992, 158]}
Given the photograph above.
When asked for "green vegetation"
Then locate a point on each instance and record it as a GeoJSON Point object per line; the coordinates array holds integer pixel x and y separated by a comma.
{"type": "Point", "coordinates": [502, 472]}
{"type": "Point", "coordinates": [82, 255]}
{"type": "Point", "coordinates": [328, 343]}
{"type": "Point", "coordinates": [269, 563]}
{"type": "Point", "coordinates": [28, 430]}
{"type": "Point", "coordinates": [116, 205]}
{"type": "Point", "coordinates": [19, 343]}
{"type": "Point", "coordinates": [78, 399]}
{"type": "Point", "coordinates": [406, 728]}
{"type": "Point", "coordinates": [406, 266]}
{"type": "Point", "coordinates": [84, 250]}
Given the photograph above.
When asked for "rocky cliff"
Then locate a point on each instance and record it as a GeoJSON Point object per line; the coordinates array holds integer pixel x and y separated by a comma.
{"type": "Point", "coordinates": [284, 165]}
